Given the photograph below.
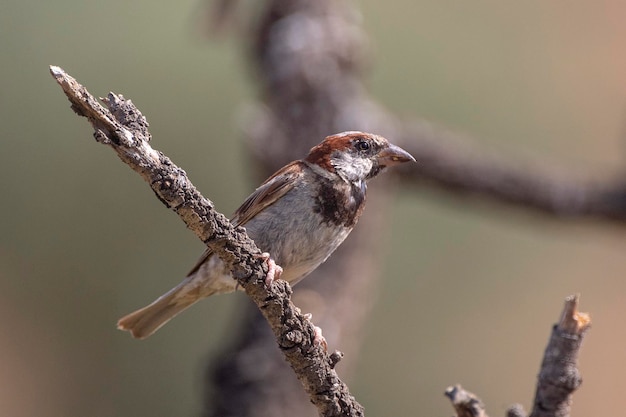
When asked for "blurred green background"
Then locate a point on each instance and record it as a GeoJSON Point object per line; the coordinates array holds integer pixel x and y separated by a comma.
{"type": "Point", "coordinates": [83, 240]}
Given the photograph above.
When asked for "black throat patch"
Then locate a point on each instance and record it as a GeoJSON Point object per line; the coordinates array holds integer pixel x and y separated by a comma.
{"type": "Point", "coordinates": [340, 204]}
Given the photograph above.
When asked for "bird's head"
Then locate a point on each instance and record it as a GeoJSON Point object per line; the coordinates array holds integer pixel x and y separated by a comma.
{"type": "Point", "coordinates": [357, 156]}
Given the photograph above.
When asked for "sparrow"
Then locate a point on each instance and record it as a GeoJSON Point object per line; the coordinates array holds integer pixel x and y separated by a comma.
{"type": "Point", "coordinates": [299, 215]}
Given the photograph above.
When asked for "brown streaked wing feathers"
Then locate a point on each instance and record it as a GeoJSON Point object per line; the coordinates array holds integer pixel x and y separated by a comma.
{"type": "Point", "coordinates": [271, 190]}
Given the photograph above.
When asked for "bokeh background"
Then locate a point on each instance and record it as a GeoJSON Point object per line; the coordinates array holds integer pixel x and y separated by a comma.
{"type": "Point", "coordinates": [83, 240]}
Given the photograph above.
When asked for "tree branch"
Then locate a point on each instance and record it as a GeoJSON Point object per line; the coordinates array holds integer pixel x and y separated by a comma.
{"type": "Point", "coordinates": [124, 129]}
{"type": "Point", "coordinates": [559, 376]}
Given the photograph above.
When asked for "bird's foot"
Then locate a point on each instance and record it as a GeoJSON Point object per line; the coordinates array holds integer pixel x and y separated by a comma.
{"type": "Point", "coordinates": [273, 269]}
{"type": "Point", "coordinates": [318, 337]}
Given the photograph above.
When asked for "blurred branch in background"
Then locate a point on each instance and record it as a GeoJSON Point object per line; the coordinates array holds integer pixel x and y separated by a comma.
{"type": "Point", "coordinates": [122, 127]}
{"type": "Point", "coordinates": [309, 58]}
{"type": "Point", "coordinates": [447, 161]}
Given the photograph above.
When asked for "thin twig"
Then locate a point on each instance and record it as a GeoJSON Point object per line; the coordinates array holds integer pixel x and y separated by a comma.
{"type": "Point", "coordinates": [124, 129]}
{"type": "Point", "coordinates": [465, 403]}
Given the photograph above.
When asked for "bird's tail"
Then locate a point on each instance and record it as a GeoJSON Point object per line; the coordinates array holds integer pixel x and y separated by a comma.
{"type": "Point", "coordinates": [145, 321]}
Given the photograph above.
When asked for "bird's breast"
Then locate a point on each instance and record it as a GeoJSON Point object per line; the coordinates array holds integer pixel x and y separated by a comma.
{"type": "Point", "coordinates": [303, 228]}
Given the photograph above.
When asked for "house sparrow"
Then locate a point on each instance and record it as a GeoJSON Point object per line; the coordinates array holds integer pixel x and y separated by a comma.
{"type": "Point", "coordinates": [300, 215]}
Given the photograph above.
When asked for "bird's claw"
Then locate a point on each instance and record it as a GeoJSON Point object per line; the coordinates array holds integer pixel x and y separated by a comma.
{"type": "Point", "coordinates": [318, 337]}
{"type": "Point", "coordinates": [273, 269]}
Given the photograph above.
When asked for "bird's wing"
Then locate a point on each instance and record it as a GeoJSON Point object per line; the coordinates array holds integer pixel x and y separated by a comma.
{"type": "Point", "coordinates": [267, 194]}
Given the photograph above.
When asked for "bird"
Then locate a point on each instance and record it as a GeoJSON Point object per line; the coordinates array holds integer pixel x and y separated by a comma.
{"type": "Point", "coordinates": [299, 215]}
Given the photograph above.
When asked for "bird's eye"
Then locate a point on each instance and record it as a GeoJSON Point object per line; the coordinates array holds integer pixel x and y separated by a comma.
{"type": "Point", "coordinates": [362, 145]}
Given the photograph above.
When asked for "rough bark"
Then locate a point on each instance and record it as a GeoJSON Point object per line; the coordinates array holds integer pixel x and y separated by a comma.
{"type": "Point", "coordinates": [559, 376]}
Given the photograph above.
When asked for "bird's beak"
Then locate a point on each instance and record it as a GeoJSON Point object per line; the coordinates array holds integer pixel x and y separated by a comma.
{"type": "Point", "coordinates": [393, 155]}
